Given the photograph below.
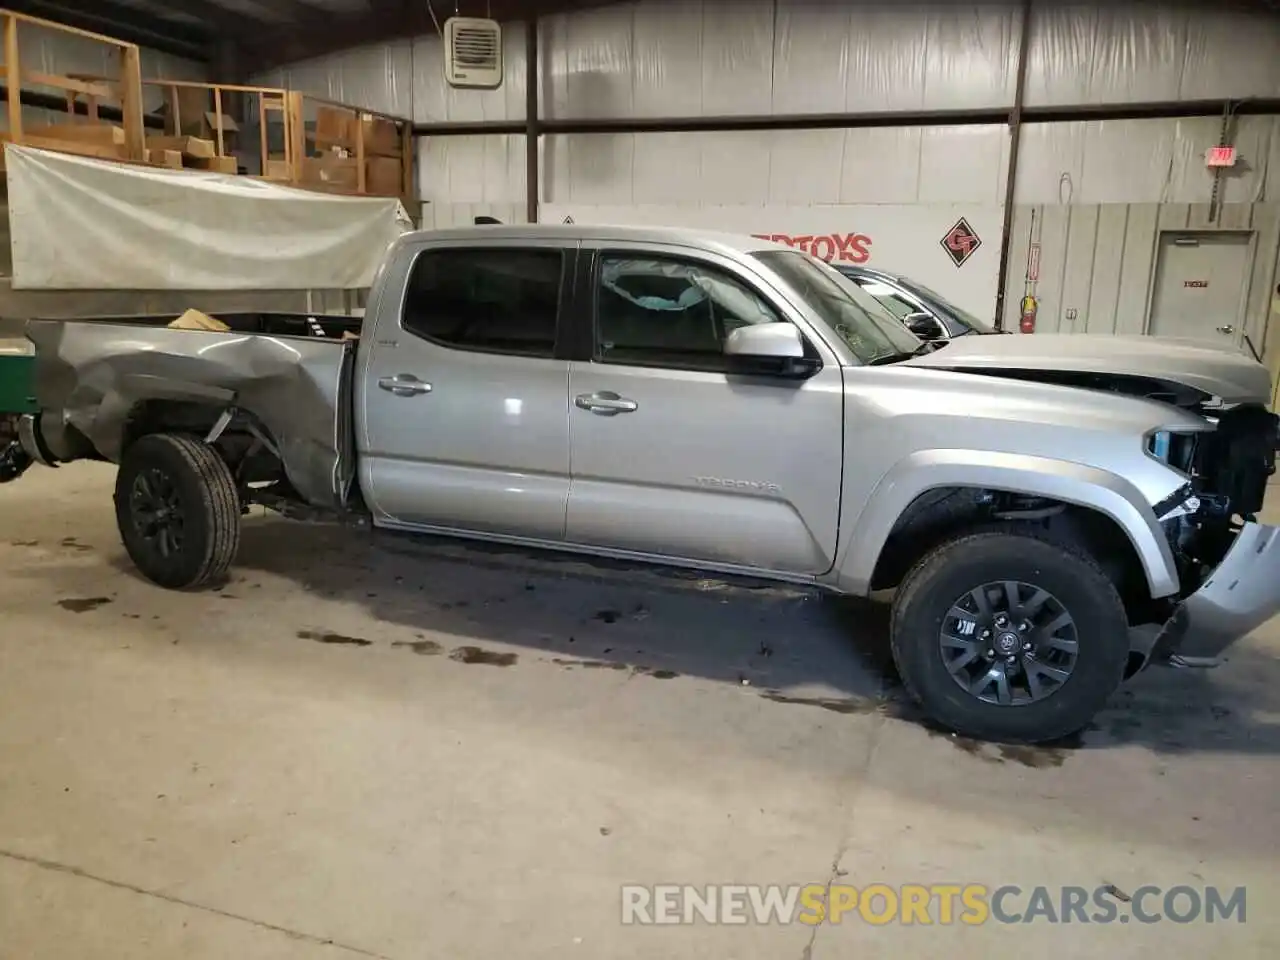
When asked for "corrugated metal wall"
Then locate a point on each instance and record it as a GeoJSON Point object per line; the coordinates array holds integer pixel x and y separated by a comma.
{"type": "Point", "coordinates": [1092, 181]}
{"type": "Point", "coordinates": [751, 57]}
{"type": "Point", "coordinates": [1097, 261]}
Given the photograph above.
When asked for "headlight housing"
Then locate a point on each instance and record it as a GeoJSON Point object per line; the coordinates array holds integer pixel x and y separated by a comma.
{"type": "Point", "coordinates": [1176, 449]}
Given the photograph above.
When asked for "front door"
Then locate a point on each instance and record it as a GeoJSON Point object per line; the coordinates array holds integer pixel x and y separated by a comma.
{"type": "Point", "coordinates": [675, 458]}
{"type": "Point", "coordinates": [1201, 286]}
{"type": "Point", "coordinates": [464, 420]}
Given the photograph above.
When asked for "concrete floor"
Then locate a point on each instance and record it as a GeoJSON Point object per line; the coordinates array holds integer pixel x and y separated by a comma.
{"type": "Point", "coordinates": [366, 747]}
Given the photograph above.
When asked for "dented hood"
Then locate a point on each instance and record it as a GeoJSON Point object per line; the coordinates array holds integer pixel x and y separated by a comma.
{"type": "Point", "coordinates": [1226, 374]}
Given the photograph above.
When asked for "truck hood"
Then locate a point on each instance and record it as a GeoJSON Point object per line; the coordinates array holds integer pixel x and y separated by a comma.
{"type": "Point", "coordinates": [1226, 374]}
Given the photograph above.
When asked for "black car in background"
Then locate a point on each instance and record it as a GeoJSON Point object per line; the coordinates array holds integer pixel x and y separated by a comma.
{"type": "Point", "coordinates": [925, 313]}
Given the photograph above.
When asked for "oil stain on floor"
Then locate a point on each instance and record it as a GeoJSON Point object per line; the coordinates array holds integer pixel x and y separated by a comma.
{"type": "Point", "coordinates": [614, 665]}
{"type": "Point", "coordinates": [83, 604]}
{"type": "Point", "coordinates": [479, 655]}
{"type": "Point", "coordinates": [1035, 756]}
{"type": "Point", "coordinates": [337, 639]}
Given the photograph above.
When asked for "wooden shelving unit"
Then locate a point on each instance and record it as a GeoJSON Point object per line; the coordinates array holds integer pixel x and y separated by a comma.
{"type": "Point", "coordinates": [203, 116]}
{"type": "Point", "coordinates": [123, 141]}
{"type": "Point", "coordinates": [301, 141]}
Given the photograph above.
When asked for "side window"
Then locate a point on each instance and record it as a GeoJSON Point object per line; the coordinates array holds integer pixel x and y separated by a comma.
{"type": "Point", "coordinates": [671, 313]}
{"type": "Point", "coordinates": [487, 299]}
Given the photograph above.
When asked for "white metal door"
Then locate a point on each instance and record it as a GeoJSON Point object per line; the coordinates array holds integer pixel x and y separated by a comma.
{"type": "Point", "coordinates": [1200, 287]}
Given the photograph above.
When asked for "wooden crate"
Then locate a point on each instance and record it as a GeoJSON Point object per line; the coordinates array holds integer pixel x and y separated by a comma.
{"type": "Point", "coordinates": [161, 157]}
{"type": "Point", "coordinates": [192, 148]}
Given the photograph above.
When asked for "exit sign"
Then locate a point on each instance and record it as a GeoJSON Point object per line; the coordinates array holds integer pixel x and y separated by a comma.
{"type": "Point", "coordinates": [1220, 157]}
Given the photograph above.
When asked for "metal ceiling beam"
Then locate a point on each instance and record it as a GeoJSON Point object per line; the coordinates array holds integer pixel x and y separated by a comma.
{"type": "Point", "coordinates": [1147, 110]}
{"type": "Point", "coordinates": [296, 11]}
{"type": "Point", "coordinates": [204, 10]}
{"type": "Point", "coordinates": [386, 20]}
{"type": "Point", "coordinates": [121, 22]}
{"type": "Point", "coordinates": [218, 18]}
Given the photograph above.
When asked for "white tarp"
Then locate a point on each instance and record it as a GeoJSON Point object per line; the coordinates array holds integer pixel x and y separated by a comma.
{"type": "Point", "coordinates": [78, 223]}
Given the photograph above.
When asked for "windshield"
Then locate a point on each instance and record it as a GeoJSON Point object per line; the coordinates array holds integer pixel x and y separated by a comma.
{"type": "Point", "coordinates": [870, 331]}
{"type": "Point", "coordinates": [964, 316]}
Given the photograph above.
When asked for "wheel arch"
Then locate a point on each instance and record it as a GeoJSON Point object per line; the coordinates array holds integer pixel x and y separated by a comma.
{"type": "Point", "coordinates": [1090, 491]}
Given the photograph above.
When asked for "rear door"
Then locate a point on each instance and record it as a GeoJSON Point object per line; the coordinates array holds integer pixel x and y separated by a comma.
{"type": "Point", "coordinates": [464, 423]}
{"type": "Point", "coordinates": [675, 458]}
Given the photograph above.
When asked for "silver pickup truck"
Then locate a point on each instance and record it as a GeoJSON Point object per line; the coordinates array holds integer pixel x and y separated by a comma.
{"type": "Point", "coordinates": [1052, 512]}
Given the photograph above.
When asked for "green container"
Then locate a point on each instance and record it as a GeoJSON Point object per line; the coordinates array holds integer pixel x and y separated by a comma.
{"type": "Point", "coordinates": [16, 389]}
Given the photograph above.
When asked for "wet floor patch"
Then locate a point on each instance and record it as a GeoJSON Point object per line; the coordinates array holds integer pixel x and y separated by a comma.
{"type": "Point", "coordinates": [834, 704]}
{"type": "Point", "coordinates": [423, 648]}
{"type": "Point", "coordinates": [637, 671]}
{"type": "Point", "coordinates": [337, 639]}
{"type": "Point", "coordinates": [1032, 756]}
{"type": "Point", "coordinates": [656, 674]}
{"type": "Point", "coordinates": [1036, 756]}
{"type": "Point", "coordinates": [590, 664]}
{"type": "Point", "coordinates": [479, 655]}
{"type": "Point", "coordinates": [83, 604]}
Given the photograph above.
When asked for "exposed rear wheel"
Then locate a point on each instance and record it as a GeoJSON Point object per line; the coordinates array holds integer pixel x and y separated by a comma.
{"type": "Point", "coordinates": [177, 510]}
{"type": "Point", "coordinates": [1005, 636]}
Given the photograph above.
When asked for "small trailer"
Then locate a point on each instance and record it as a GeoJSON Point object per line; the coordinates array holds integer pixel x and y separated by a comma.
{"type": "Point", "coordinates": [17, 397]}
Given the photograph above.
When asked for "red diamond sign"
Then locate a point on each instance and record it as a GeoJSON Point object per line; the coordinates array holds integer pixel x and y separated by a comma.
{"type": "Point", "coordinates": [960, 242]}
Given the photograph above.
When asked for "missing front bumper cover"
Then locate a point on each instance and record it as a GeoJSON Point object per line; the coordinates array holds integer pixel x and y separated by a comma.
{"type": "Point", "coordinates": [1239, 596]}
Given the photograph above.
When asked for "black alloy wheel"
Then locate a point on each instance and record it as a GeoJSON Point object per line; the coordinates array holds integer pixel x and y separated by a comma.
{"type": "Point", "coordinates": [1009, 643]}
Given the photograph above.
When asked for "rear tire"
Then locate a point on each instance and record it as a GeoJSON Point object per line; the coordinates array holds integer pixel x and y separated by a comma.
{"type": "Point", "coordinates": [177, 510]}
{"type": "Point", "coordinates": [1059, 648]}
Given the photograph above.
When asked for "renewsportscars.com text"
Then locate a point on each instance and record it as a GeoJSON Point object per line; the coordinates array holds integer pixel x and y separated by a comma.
{"type": "Point", "coordinates": [926, 904]}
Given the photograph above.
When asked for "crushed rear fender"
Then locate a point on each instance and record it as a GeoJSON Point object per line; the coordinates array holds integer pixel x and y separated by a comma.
{"type": "Point", "coordinates": [90, 379]}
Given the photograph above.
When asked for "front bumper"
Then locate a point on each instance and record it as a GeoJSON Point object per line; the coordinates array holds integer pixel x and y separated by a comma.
{"type": "Point", "coordinates": [1241, 595]}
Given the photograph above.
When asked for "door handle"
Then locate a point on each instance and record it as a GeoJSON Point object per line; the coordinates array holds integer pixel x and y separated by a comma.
{"type": "Point", "coordinates": [606, 403]}
{"type": "Point", "coordinates": [404, 385]}
{"type": "Point", "coordinates": [1227, 328]}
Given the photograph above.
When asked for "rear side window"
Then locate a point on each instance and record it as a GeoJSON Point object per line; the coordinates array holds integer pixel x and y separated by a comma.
{"type": "Point", "coordinates": [488, 300]}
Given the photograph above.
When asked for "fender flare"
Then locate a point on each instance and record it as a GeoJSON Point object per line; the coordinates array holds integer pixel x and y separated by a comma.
{"type": "Point", "coordinates": [1108, 493]}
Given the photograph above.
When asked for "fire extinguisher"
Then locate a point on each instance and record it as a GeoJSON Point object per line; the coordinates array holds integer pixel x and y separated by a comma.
{"type": "Point", "coordinates": [1027, 321]}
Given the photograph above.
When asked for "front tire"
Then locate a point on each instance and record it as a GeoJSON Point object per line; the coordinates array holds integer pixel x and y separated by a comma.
{"type": "Point", "coordinates": [178, 510]}
{"type": "Point", "coordinates": [1009, 637]}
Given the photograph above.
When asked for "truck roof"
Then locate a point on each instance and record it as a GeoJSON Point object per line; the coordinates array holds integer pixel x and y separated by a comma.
{"type": "Point", "coordinates": [681, 236]}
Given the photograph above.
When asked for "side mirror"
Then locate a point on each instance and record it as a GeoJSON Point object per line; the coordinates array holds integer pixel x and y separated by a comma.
{"type": "Point", "coordinates": [769, 349]}
{"type": "Point", "coordinates": [925, 326]}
